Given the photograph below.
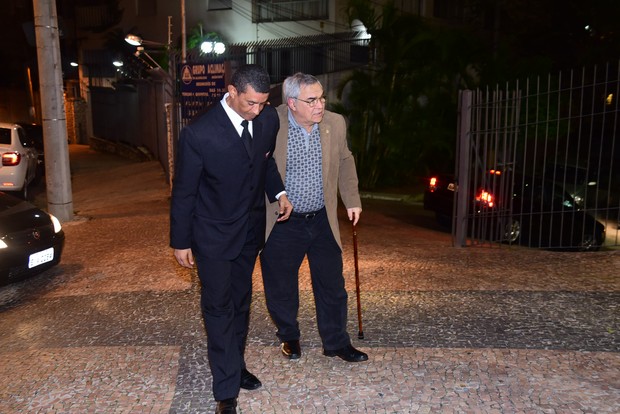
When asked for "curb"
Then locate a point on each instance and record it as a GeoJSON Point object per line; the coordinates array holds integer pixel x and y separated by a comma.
{"type": "Point", "coordinates": [403, 198]}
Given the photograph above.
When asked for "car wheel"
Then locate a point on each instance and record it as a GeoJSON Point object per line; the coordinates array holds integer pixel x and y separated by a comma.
{"type": "Point", "coordinates": [589, 243]}
{"type": "Point", "coordinates": [512, 231]}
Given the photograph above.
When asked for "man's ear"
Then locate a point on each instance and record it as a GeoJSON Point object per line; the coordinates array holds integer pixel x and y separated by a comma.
{"type": "Point", "coordinates": [232, 91]}
{"type": "Point", "coordinates": [290, 102]}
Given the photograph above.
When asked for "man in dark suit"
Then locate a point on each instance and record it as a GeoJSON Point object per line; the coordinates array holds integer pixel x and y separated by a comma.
{"type": "Point", "coordinates": [217, 217]}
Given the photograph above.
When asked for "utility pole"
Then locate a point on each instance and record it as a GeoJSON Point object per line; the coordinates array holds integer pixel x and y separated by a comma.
{"type": "Point", "coordinates": [57, 168]}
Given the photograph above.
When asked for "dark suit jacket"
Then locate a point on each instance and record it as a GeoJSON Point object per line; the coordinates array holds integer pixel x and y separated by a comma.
{"type": "Point", "coordinates": [219, 190]}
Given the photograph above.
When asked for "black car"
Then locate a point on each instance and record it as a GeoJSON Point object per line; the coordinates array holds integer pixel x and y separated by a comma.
{"type": "Point", "coordinates": [577, 181]}
{"type": "Point", "coordinates": [516, 208]}
{"type": "Point", "coordinates": [439, 197]}
{"type": "Point", "coordinates": [31, 240]}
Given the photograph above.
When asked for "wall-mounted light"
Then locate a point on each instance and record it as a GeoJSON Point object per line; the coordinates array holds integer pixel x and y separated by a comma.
{"type": "Point", "coordinates": [362, 32]}
{"type": "Point", "coordinates": [74, 64]}
{"type": "Point", "coordinates": [212, 47]}
{"type": "Point", "coordinates": [117, 63]}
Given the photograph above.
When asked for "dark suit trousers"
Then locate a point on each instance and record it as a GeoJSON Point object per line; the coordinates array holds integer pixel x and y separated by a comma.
{"type": "Point", "coordinates": [225, 299]}
{"type": "Point", "coordinates": [281, 259]}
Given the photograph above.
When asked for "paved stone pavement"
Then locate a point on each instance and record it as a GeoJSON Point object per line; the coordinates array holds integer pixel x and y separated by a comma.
{"type": "Point", "coordinates": [115, 328]}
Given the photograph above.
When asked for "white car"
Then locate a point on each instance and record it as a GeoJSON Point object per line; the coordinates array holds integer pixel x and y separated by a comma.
{"type": "Point", "coordinates": [19, 159]}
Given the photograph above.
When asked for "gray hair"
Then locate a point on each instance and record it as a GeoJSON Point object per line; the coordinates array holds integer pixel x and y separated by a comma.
{"type": "Point", "coordinates": [292, 85]}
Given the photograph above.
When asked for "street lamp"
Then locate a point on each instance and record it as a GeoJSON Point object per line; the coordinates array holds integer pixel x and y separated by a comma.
{"type": "Point", "coordinates": [133, 40]}
{"type": "Point", "coordinates": [136, 40]}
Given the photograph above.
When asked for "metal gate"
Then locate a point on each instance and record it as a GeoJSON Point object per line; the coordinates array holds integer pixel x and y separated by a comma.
{"type": "Point", "coordinates": [538, 162]}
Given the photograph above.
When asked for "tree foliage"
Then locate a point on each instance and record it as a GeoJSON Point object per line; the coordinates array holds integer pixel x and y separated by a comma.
{"type": "Point", "coordinates": [402, 106]}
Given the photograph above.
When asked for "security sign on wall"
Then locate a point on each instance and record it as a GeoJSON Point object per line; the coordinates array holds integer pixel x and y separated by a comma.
{"type": "Point", "coordinates": [201, 85]}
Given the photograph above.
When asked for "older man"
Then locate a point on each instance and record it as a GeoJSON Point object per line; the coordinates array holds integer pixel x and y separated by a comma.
{"type": "Point", "coordinates": [315, 164]}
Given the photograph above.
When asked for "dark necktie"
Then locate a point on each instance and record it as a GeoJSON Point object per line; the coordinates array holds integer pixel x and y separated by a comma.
{"type": "Point", "coordinates": [246, 137]}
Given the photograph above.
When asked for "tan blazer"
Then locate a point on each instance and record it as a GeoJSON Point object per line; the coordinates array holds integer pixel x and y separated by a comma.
{"type": "Point", "coordinates": [339, 173]}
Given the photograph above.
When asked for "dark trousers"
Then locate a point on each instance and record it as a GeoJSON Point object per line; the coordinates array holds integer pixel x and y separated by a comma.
{"type": "Point", "coordinates": [281, 258]}
{"type": "Point", "coordinates": [225, 298]}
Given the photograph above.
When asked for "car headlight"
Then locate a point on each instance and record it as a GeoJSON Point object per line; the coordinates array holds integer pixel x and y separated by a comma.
{"type": "Point", "coordinates": [3, 244]}
{"type": "Point", "coordinates": [57, 226]}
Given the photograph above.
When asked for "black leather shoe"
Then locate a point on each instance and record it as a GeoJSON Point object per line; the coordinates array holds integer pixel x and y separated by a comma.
{"type": "Point", "coordinates": [249, 380]}
{"type": "Point", "coordinates": [291, 349]}
{"type": "Point", "coordinates": [227, 406]}
{"type": "Point", "coordinates": [348, 353]}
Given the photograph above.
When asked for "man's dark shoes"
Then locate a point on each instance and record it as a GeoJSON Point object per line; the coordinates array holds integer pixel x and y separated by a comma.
{"type": "Point", "coordinates": [291, 349]}
{"type": "Point", "coordinates": [249, 380]}
{"type": "Point", "coordinates": [348, 353]}
{"type": "Point", "coordinates": [227, 406]}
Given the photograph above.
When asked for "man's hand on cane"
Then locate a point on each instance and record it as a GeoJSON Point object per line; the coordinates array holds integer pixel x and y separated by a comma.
{"type": "Point", "coordinates": [354, 214]}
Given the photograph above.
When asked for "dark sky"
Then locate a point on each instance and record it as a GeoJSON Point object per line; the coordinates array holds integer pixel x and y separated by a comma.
{"type": "Point", "coordinates": [15, 52]}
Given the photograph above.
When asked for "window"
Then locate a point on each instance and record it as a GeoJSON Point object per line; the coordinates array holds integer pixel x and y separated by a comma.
{"type": "Point", "coordinates": [5, 136]}
{"type": "Point", "coordinates": [219, 4]}
{"type": "Point", "coordinates": [289, 10]}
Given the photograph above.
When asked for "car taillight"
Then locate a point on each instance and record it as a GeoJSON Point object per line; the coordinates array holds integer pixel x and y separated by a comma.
{"type": "Point", "coordinates": [485, 198]}
{"type": "Point", "coordinates": [432, 184]}
{"type": "Point", "coordinates": [11, 158]}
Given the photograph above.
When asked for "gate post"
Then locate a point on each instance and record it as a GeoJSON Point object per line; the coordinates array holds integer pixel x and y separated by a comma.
{"type": "Point", "coordinates": [459, 226]}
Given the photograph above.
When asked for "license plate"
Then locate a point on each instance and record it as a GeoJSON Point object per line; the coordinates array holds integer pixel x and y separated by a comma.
{"type": "Point", "coordinates": [41, 257]}
{"type": "Point", "coordinates": [451, 186]}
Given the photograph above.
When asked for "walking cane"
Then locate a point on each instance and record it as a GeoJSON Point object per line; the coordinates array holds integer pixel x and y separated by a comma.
{"type": "Point", "coordinates": [360, 334]}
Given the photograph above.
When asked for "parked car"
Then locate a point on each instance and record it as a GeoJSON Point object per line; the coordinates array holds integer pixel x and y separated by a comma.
{"type": "Point", "coordinates": [574, 179]}
{"type": "Point", "coordinates": [439, 197]}
{"type": "Point", "coordinates": [19, 159]}
{"type": "Point", "coordinates": [34, 132]}
{"type": "Point", "coordinates": [519, 209]}
{"type": "Point", "coordinates": [31, 240]}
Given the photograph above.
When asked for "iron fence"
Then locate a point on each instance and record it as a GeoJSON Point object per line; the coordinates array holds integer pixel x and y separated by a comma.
{"type": "Point", "coordinates": [538, 162]}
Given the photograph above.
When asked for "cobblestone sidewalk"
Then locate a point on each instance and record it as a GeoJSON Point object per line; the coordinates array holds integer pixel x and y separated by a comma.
{"type": "Point", "coordinates": [115, 328]}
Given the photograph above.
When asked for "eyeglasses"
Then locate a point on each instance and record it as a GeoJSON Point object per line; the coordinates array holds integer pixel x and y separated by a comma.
{"type": "Point", "coordinates": [312, 102]}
